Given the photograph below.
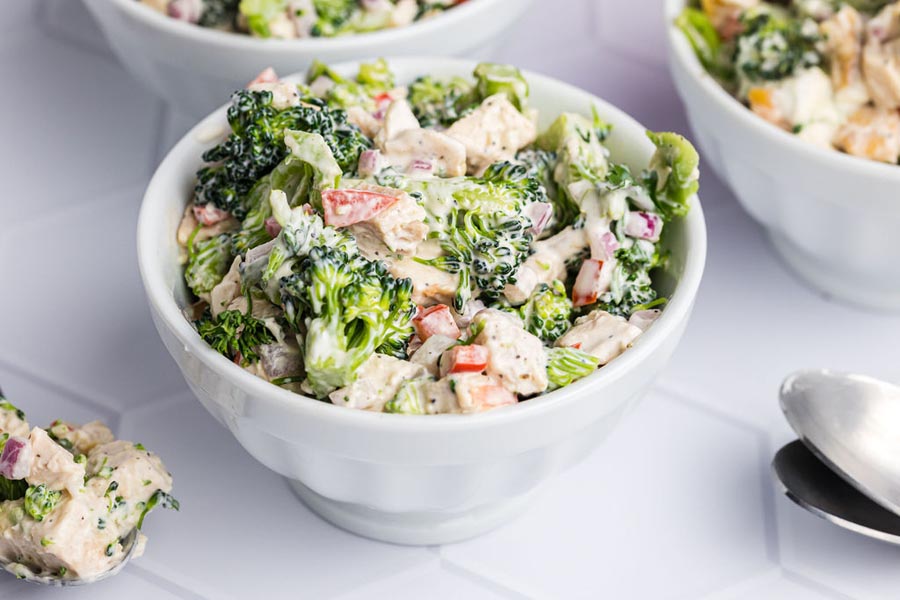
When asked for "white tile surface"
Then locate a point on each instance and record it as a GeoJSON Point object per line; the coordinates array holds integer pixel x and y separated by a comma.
{"type": "Point", "coordinates": [678, 503]}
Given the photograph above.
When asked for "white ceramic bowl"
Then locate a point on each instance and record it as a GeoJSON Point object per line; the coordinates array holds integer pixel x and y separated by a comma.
{"type": "Point", "coordinates": [833, 218]}
{"type": "Point", "coordinates": [194, 67]}
{"type": "Point", "coordinates": [405, 478]}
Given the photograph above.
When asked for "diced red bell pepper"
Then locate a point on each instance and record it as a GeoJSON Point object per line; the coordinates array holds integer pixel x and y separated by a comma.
{"type": "Point", "coordinates": [435, 320]}
{"type": "Point", "coordinates": [468, 359]}
{"type": "Point", "coordinates": [267, 75]}
{"type": "Point", "coordinates": [593, 279]}
{"type": "Point", "coordinates": [209, 214]}
{"type": "Point", "coordinates": [346, 207]}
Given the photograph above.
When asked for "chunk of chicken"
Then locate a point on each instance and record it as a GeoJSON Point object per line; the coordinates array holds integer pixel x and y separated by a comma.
{"type": "Point", "coordinates": [493, 132]}
{"type": "Point", "coordinates": [516, 358]}
{"type": "Point", "coordinates": [397, 118]}
{"type": "Point", "coordinates": [546, 264]}
{"type": "Point", "coordinates": [400, 227]}
{"type": "Point", "coordinates": [803, 103]}
{"type": "Point", "coordinates": [881, 66]}
{"type": "Point", "coordinates": [226, 290]}
{"type": "Point", "coordinates": [83, 438]}
{"type": "Point", "coordinates": [130, 467]}
{"type": "Point", "coordinates": [52, 464]}
{"type": "Point", "coordinates": [189, 224]}
{"type": "Point", "coordinates": [425, 150]}
{"type": "Point", "coordinates": [369, 125]}
{"type": "Point", "coordinates": [843, 42]}
{"type": "Point", "coordinates": [871, 132]}
{"type": "Point", "coordinates": [601, 335]}
{"type": "Point", "coordinates": [478, 393]}
{"type": "Point", "coordinates": [439, 397]}
{"type": "Point", "coordinates": [12, 424]}
{"type": "Point", "coordinates": [378, 381]}
{"type": "Point", "coordinates": [284, 94]}
{"type": "Point", "coordinates": [430, 284]}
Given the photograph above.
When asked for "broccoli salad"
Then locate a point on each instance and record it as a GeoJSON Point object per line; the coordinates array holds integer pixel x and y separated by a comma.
{"type": "Point", "coordinates": [423, 249]}
{"type": "Point", "coordinates": [70, 494]}
{"type": "Point", "coordinates": [290, 19]}
{"type": "Point", "coordinates": [825, 70]}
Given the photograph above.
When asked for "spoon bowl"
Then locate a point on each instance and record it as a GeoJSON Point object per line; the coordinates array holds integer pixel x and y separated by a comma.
{"type": "Point", "coordinates": [813, 486]}
{"type": "Point", "coordinates": [129, 544]}
{"type": "Point", "coordinates": [852, 424]}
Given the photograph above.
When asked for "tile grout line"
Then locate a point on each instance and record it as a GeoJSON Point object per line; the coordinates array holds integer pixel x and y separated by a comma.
{"type": "Point", "coordinates": [484, 580]}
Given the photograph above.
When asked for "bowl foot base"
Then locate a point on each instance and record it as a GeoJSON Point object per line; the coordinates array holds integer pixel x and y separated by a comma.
{"type": "Point", "coordinates": [821, 275]}
{"type": "Point", "coordinates": [416, 528]}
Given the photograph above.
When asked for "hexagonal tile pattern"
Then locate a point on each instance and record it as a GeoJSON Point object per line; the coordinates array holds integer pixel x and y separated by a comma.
{"type": "Point", "coordinates": [95, 332]}
{"type": "Point", "coordinates": [674, 487]}
{"type": "Point", "coordinates": [229, 501]}
{"type": "Point", "coordinates": [679, 502]}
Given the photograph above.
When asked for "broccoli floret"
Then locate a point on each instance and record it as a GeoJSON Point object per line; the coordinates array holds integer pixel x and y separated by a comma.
{"type": "Point", "coordinates": [160, 499]}
{"type": "Point", "coordinates": [631, 284]}
{"type": "Point", "coordinates": [372, 80]}
{"type": "Point", "coordinates": [256, 146]}
{"type": "Point", "coordinates": [234, 334]}
{"type": "Point", "coordinates": [581, 164]}
{"type": "Point", "coordinates": [217, 13]}
{"type": "Point", "coordinates": [309, 168]}
{"type": "Point", "coordinates": [347, 308]}
{"type": "Point", "coordinates": [705, 41]}
{"type": "Point", "coordinates": [208, 262]}
{"type": "Point", "coordinates": [301, 231]}
{"type": "Point", "coordinates": [260, 13]}
{"type": "Point", "coordinates": [332, 16]}
{"type": "Point", "coordinates": [774, 45]}
{"type": "Point", "coordinates": [672, 176]}
{"type": "Point", "coordinates": [438, 102]}
{"type": "Point", "coordinates": [548, 311]}
{"type": "Point", "coordinates": [493, 79]}
{"type": "Point", "coordinates": [479, 223]}
{"type": "Point", "coordinates": [566, 365]}
{"type": "Point", "coordinates": [40, 501]}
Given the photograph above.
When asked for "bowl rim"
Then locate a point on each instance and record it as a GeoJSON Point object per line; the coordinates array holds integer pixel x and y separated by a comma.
{"type": "Point", "coordinates": [357, 41]}
{"type": "Point", "coordinates": [162, 300]}
{"type": "Point", "coordinates": [681, 52]}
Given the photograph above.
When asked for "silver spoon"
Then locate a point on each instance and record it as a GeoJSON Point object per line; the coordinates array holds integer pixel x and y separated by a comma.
{"type": "Point", "coordinates": [813, 486]}
{"type": "Point", "coordinates": [129, 543]}
{"type": "Point", "coordinates": [852, 424]}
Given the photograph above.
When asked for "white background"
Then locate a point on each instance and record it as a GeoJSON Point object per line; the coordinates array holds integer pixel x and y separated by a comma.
{"type": "Point", "coordinates": [678, 504]}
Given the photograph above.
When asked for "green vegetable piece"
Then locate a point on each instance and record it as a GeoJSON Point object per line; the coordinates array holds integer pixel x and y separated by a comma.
{"type": "Point", "coordinates": [12, 489]}
{"type": "Point", "coordinates": [774, 45]}
{"type": "Point", "coordinates": [705, 41]}
{"type": "Point", "coordinates": [234, 334]}
{"type": "Point", "coordinates": [441, 102]}
{"type": "Point", "coordinates": [566, 365]}
{"type": "Point", "coordinates": [410, 399]}
{"type": "Point", "coordinates": [161, 499]}
{"type": "Point", "coordinates": [313, 150]}
{"type": "Point", "coordinates": [40, 501]}
{"type": "Point", "coordinates": [260, 13]}
{"type": "Point", "coordinates": [208, 262]}
{"type": "Point", "coordinates": [7, 405]}
{"type": "Point", "coordinates": [332, 16]}
{"type": "Point", "coordinates": [502, 79]}
{"type": "Point", "coordinates": [349, 307]}
{"type": "Point", "coordinates": [673, 175]}
{"type": "Point", "coordinates": [376, 76]}
{"type": "Point", "coordinates": [548, 311]}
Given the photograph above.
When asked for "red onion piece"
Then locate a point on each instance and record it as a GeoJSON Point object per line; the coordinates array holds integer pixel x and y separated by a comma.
{"type": "Point", "coordinates": [369, 162]}
{"type": "Point", "coordinates": [272, 227]}
{"type": "Point", "coordinates": [185, 10]}
{"type": "Point", "coordinates": [15, 462]}
{"type": "Point", "coordinates": [421, 166]}
{"type": "Point", "coordinates": [540, 214]}
{"type": "Point", "coordinates": [643, 225]}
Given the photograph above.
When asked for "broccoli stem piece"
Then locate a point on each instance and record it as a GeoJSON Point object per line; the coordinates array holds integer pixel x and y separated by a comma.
{"type": "Point", "coordinates": [566, 365]}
